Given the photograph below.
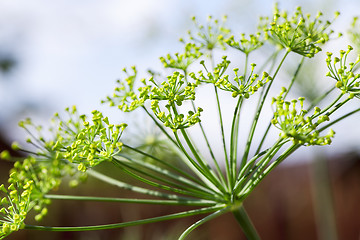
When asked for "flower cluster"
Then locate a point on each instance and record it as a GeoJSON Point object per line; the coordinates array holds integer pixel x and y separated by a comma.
{"type": "Point", "coordinates": [175, 91]}
{"type": "Point", "coordinates": [298, 33]}
{"type": "Point", "coordinates": [93, 143]}
{"type": "Point", "coordinates": [44, 175]}
{"type": "Point", "coordinates": [212, 35]}
{"type": "Point", "coordinates": [14, 206]}
{"type": "Point", "coordinates": [294, 123]}
{"type": "Point", "coordinates": [242, 85]}
{"type": "Point", "coordinates": [125, 97]}
{"type": "Point", "coordinates": [47, 161]}
{"type": "Point", "coordinates": [74, 137]}
{"type": "Point", "coordinates": [246, 45]}
{"type": "Point", "coordinates": [346, 80]}
{"type": "Point", "coordinates": [182, 61]}
{"type": "Point", "coordinates": [173, 119]}
{"type": "Point", "coordinates": [172, 168]}
{"type": "Point", "coordinates": [74, 141]}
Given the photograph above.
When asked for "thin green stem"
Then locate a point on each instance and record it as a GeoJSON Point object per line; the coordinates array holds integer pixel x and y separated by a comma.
{"type": "Point", "coordinates": [160, 126]}
{"type": "Point", "coordinates": [286, 93]}
{"type": "Point", "coordinates": [206, 167]}
{"type": "Point", "coordinates": [130, 187]}
{"type": "Point", "coordinates": [175, 189]}
{"type": "Point", "coordinates": [171, 186]}
{"type": "Point", "coordinates": [128, 224]}
{"type": "Point", "coordinates": [218, 169]}
{"type": "Point", "coordinates": [331, 105]}
{"type": "Point", "coordinates": [234, 136]}
{"type": "Point", "coordinates": [132, 200]}
{"type": "Point", "coordinates": [257, 114]}
{"type": "Point", "coordinates": [217, 166]}
{"type": "Point", "coordinates": [319, 99]}
{"type": "Point", "coordinates": [272, 58]}
{"type": "Point", "coordinates": [246, 65]}
{"type": "Point", "coordinates": [202, 221]}
{"type": "Point", "coordinates": [281, 158]}
{"type": "Point", "coordinates": [222, 134]}
{"type": "Point", "coordinates": [163, 172]}
{"type": "Point", "coordinates": [339, 105]}
{"type": "Point", "coordinates": [257, 170]}
{"type": "Point", "coordinates": [245, 170]}
{"type": "Point", "coordinates": [189, 162]}
{"type": "Point", "coordinates": [294, 147]}
{"type": "Point", "coordinates": [198, 170]}
{"type": "Point", "coordinates": [245, 223]}
{"type": "Point", "coordinates": [171, 166]}
{"type": "Point", "coordinates": [248, 170]}
{"type": "Point", "coordinates": [339, 119]}
{"type": "Point", "coordinates": [209, 174]}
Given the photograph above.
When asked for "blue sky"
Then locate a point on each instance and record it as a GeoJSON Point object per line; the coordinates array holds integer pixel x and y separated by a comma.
{"type": "Point", "coordinates": [71, 52]}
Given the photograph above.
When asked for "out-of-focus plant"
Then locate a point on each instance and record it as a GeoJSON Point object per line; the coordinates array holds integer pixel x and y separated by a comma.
{"type": "Point", "coordinates": [76, 144]}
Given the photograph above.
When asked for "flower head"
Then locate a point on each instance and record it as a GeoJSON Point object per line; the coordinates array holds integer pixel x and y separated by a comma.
{"type": "Point", "coordinates": [296, 125]}
{"type": "Point", "coordinates": [246, 45]}
{"type": "Point", "coordinates": [343, 73]}
{"type": "Point", "coordinates": [93, 143]}
{"type": "Point", "coordinates": [240, 86]}
{"type": "Point", "coordinates": [125, 96]}
{"type": "Point", "coordinates": [14, 206]}
{"type": "Point", "coordinates": [212, 35]}
{"type": "Point", "coordinates": [182, 61]}
{"type": "Point", "coordinates": [299, 33]}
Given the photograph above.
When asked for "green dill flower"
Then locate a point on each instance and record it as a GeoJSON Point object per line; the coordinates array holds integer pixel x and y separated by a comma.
{"type": "Point", "coordinates": [174, 91]}
{"type": "Point", "coordinates": [5, 155]}
{"type": "Point", "coordinates": [45, 175]}
{"type": "Point", "coordinates": [93, 143]}
{"type": "Point", "coordinates": [75, 140]}
{"type": "Point", "coordinates": [125, 96]}
{"type": "Point", "coordinates": [298, 33]}
{"type": "Point", "coordinates": [174, 120]}
{"type": "Point", "coordinates": [182, 61]}
{"type": "Point", "coordinates": [346, 80]}
{"type": "Point", "coordinates": [245, 45]}
{"type": "Point", "coordinates": [172, 169]}
{"type": "Point", "coordinates": [296, 125]}
{"type": "Point", "coordinates": [14, 206]}
{"type": "Point", "coordinates": [212, 35]}
{"type": "Point", "coordinates": [240, 86]}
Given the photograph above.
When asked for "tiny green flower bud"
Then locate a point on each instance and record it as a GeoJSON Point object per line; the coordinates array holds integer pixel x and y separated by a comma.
{"type": "Point", "coordinates": [5, 155]}
{"type": "Point", "coordinates": [15, 146]}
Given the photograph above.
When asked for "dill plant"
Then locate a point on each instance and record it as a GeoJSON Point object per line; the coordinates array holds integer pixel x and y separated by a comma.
{"type": "Point", "coordinates": [212, 186]}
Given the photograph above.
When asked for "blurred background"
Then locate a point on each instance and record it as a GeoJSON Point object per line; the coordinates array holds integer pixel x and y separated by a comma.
{"type": "Point", "coordinates": [54, 54]}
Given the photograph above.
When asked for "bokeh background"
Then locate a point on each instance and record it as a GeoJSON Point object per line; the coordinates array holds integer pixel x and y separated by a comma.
{"type": "Point", "coordinates": [54, 54]}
